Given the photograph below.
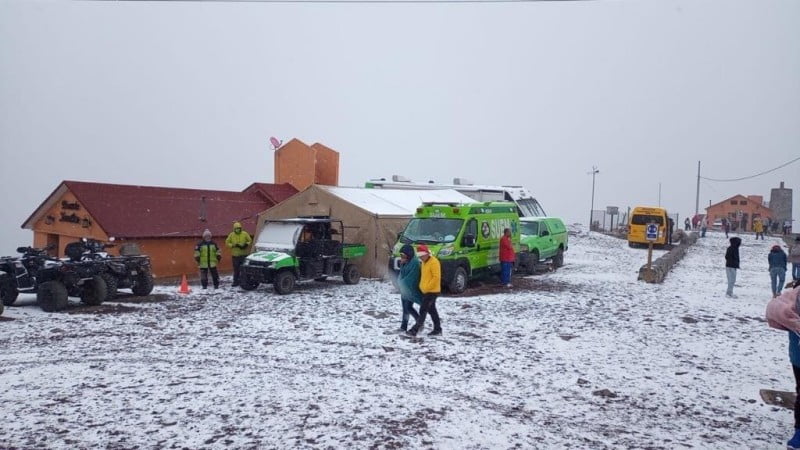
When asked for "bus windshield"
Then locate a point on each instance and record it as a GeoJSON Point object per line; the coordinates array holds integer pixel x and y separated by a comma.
{"type": "Point", "coordinates": [530, 207]}
{"type": "Point", "coordinates": [431, 230]}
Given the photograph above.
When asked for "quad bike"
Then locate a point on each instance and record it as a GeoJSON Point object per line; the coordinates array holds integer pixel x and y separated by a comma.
{"type": "Point", "coordinates": [130, 270]}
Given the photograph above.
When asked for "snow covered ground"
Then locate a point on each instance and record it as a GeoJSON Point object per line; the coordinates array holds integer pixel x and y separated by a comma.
{"type": "Point", "coordinates": [585, 357]}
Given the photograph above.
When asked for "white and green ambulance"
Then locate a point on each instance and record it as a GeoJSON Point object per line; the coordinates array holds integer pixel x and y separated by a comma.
{"type": "Point", "coordinates": [464, 237]}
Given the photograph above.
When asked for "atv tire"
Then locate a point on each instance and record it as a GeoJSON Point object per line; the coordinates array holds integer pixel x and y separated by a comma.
{"type": "Point", "coordinates": [51, 296]}
{"type": "Point", "coordinates": [111, 286]}
{"type": "Point", "coordinates": [143, 284]}
{"type": "Point", "coordinates": [350, 274]}
{"type": "Point", "coordinates": [95, 291]}
{"type": "Point", "coordinates": [8, 293]}
{"type": "Point", "coordinates": [246, 283]}
{"type": "Point", "coordinates": [284, 282]}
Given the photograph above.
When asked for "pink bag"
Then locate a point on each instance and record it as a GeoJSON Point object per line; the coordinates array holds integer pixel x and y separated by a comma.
{"type": "Point", "coordinates": [782, 311]}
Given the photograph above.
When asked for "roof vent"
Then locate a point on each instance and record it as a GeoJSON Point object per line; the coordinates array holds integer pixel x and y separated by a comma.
{"type": "Point", "coordinates": [400, 179]}
{"type": "Point", "coordinates": [462, 182]}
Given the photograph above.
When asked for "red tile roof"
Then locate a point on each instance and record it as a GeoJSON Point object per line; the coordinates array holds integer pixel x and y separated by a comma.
{"type": "Point", "coordinates": [147, 211]}
{"type": "Point", "coordinates": [275, 193]}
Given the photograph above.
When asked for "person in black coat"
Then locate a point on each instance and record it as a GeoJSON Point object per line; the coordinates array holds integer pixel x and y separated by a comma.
{"type": "Point", "coordinates": [732, 263]}
{"type": "Point", "coordinates": [777, 269]}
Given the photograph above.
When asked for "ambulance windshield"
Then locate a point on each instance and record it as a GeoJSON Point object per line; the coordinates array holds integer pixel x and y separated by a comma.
{"type": "Point", "coordinates": [431, 230]}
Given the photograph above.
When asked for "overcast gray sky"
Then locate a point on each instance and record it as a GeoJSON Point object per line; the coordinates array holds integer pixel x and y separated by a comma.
{"type": "Point", "coordinates": [187, 94]}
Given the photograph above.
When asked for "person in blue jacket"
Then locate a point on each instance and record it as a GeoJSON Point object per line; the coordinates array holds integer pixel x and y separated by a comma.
{"type": "Point", "coordinates": [408, 282]}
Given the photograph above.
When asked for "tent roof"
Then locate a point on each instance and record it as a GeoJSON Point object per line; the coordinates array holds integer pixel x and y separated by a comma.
{"type": "Point", "coordinates": [394, 202]}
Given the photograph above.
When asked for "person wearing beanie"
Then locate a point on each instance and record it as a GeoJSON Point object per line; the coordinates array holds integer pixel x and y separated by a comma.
{"type": "Point", "coordinates": [239, 242]}
{"type": "Point", "coordinates": [207, 255]}
{"type": "Point", "coordinates": [408, 282]}
{"type": "Point", "coordinates": [794, 258]}
{"type": "Point", "coordinates": [732, 264]}
{"type": "Point", "coordinates": [430, 284]}
{"type": "Point", "coordinates": [777, 269]}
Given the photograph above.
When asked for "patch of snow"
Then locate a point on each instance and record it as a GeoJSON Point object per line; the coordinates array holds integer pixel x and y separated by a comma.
{"type": "Point", "coordinates": [589, 358]}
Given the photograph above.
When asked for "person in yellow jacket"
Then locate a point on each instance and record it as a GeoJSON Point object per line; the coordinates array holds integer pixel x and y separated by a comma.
{"type": "Point", "coordinates": [430, 283]}
{"type": "Point", "coordinates": [758, 227]}
{"type": "Point", "coordinates": [239, 242]}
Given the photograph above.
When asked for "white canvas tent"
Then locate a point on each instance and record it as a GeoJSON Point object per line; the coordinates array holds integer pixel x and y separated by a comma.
{"type": "Point", "coordinates": [372, 217]}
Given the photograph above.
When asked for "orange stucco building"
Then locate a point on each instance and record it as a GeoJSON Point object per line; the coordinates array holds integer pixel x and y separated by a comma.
{"type": "Point", "coordinates": [166, 223]}
{"type": "Point", "coordinates": [740, 210]}
{"type": "Point", "coordinates": [302, 165]}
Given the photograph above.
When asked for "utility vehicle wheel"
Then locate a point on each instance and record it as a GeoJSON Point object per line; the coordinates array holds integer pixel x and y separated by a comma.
{"type": "Point", "coordinates": [284, 282]}
{"type": "Point", "coordinates": [558, 260]}
{"type": "Point", "coordinates": [459, 282]}
{"type": "Point", "coordinates": [111, 286]}
{"type": "Point", "coordinates": [246, 283]}
{"type": "Point", "coordinates": [8, 293]}
{"type": "Point", "coordinates": [51, 296]}
{"type": "Point", "coordinates": [94, 291]}
{"type": "Point", "coordinates": [351, 274]}
{"type": "Point", "coordinates": [143, 284]}
{"type": "Point", "coordinates": [531, 262]}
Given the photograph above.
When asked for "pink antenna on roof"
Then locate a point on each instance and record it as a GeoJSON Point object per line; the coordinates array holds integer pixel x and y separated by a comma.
{"type": "Point", "coordinates": [275, 142]}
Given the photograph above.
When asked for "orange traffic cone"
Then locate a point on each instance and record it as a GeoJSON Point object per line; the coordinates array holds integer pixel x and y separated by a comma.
{"type": "Point", "coordinates": [184, 286]}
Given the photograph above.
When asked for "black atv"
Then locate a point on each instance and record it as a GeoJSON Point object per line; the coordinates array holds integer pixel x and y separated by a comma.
{"type": "Point", "coordinates": [53, 280]}
{"type": "Point", "coordinates": [131, 270]}
{"type": "Point", "coordinates": [21, 272]}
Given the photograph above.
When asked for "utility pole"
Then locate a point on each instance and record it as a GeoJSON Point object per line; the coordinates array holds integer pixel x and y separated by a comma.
{"type": "Point", "coordinates": [659, 193]}
{"type": "Point", "coordinates": [591, 210]}
{"type": "Point", "coordinates": [697, 196]}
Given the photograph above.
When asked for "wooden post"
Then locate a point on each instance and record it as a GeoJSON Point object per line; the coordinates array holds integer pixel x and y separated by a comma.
{"type": "Point", "coordinates": [649, 254]}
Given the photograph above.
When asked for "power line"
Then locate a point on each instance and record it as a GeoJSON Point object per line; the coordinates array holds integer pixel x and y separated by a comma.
{"type": "Point", "coordinates": [347, 1]}
{"type": "Point", "coordinates": [752, 176]}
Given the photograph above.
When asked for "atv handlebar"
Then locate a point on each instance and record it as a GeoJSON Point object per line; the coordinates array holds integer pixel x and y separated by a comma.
{"type": "Point", "coordinates": [35, 251]}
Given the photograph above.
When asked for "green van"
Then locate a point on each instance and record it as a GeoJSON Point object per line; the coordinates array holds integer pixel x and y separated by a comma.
{"type": "Point", "coordinates": [543, 238]}
{"type": "Point", "coordinates": [464, 237]}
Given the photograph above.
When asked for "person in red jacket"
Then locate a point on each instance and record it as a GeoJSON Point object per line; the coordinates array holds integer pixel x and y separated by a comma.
{"type": "Point", "coordinates": [507, 257]}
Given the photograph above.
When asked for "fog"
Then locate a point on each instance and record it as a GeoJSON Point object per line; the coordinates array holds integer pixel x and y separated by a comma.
{"type": "Point", "coordinates": [187, 94]}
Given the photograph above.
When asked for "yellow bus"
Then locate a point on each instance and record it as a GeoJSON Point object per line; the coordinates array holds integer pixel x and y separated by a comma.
{"type": "Point", "coordinates": [641, 216]}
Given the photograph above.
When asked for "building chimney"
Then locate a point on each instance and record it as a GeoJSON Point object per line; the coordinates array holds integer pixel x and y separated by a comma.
{"type": "Point", "coordinates": [781, 184]}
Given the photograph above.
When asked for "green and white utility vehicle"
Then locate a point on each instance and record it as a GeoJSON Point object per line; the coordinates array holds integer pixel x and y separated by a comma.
{"type": "Point", "coordinates": [300, 249]}
{"type": "Point", "coordinates": [464, 237]}
{"type": "Point", "coordinates": [543, 239]}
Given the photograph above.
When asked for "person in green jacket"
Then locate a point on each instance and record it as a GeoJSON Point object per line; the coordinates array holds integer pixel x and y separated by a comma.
{"type": "Point", "coordinates": [239, 242]}
{"type": "Point", "coordinates": [207, 255]}
{"type": "Point", "coordinates": [408, 282]}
